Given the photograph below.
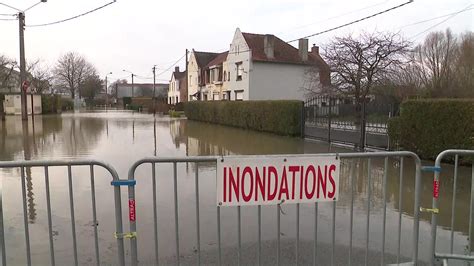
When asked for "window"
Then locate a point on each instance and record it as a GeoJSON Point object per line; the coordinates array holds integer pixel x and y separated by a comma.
{"type": "Point", "coordinates": [228, 76]}
{"type": "Point", "coordinates": [239, 95]}
{"type": "Point", "coordinates": [240, 70]}
{"type": "Point", "coordinates": [190, 80]}
{"type": "Point", "coordinates": [176, 99]}
{"type": "Point", "coordinates": [225, 75]}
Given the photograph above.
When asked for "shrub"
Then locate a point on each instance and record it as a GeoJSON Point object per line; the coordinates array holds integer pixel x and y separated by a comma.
{"type": "Point", "coordinates": [283, 117]}
{"type": "Point", "coordinates": [429, 126]}
{"type": "Point", "coordinates": [66, 104]}
{"type": "Point", "coordinates": [50, 104]}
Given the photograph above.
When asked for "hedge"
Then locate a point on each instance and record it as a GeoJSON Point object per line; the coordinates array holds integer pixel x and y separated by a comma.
{"type": "Point", "coordinates": [283, 117]}
{"type": "Point", "coordinates": [50, 104]}
{"type": "Point", "coordinates": [428, 127]}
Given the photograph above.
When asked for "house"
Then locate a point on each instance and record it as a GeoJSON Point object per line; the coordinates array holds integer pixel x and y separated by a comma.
{"type": "Point", "coordinates": [141, 90]}
{"type": "Point", "coordinates": [178, 89]}
{"type": "Point", "coordinates": [196, 73]}
{"type": "Point", "coordinates": [257, 67]}
{"type": "Point", "coordinates": [10, 87]}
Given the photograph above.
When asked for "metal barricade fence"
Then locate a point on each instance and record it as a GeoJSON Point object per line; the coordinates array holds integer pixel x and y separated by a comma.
{"type": "Point", "coordinates": [154, 161]}
{"type": "Point", "coordinates": [435, 209]}
{"type": "Point", "coordinates": [69, 164]}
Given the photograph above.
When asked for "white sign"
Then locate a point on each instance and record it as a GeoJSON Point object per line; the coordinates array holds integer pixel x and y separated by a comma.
{"type": "Point", "coordinates": [273, 180]}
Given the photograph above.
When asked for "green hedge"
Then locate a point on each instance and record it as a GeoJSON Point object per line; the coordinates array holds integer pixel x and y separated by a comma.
{"type": "Point", "coordinates": [283, 117]}
{"type": "Point", "coordinates": [50, 104]}
{"type": "Point", "coordinates": [430, 126]}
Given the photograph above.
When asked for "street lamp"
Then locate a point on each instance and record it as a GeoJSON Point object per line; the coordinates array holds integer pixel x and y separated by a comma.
{"type": "Point", "coordinates": [132, 78]}
{"type": "Point", "coordinates": [106, 94]}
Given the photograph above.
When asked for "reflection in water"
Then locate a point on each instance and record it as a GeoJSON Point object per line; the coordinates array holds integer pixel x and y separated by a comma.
{"type": "Point", "coordinates": [106, 136]}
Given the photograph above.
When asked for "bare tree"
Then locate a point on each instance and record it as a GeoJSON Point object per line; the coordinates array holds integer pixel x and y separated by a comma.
{"type": "Point", "coordinates": [464, 69]}
{"type": "Point", "coordinates": [358, 64]}
{"type": "Point", "coordinates": [71, 71]}
{"type": "Point", "coordinates": [434, 61]}
{"type": "Point", "coordinates": [40, 76]}
{"type": "Point", "coordinates": [91, 86]}
{"type": "Point", "coordinates": [7, 66]}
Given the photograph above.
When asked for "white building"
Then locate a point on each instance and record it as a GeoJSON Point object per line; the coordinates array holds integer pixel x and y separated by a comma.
{"type": "Point", "coordinates": [177, 89]}
{"type": "Point", "coordinates": [12, 104]}
{"type": "Point", "coordinates": [257, 67]}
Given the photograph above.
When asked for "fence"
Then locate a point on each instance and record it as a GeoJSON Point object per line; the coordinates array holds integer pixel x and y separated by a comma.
{"type": "Point", "coordinates": [435, 209]}
{"type": "Point", "coordinates": [69, 164]}
{"type": "Point", "coordinates": [336, 119]}
{"type": "Point", "coordinates": [306, 215]}
{"type": "Point", "coordinates": [240, 254]}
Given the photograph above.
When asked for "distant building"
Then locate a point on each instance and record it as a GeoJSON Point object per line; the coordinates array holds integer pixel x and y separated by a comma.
{"type": "Point", "coordinates": [196, 73]}
{"type": "Point", "coordinates": [10, 87]}
{"type": "Point", "coordinates": [141, 90]}
{"type": "Point", "coordinates": [178, 89]}
{"type": "Point", "coordinates": [256, 67]}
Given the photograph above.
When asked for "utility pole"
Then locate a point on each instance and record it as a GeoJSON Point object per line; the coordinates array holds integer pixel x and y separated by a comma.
{"type": "Point", "coordinates": [154, 99]}
{"type": "Point", "coordinates": [132, 84]}
{"type": "Point", "coordinates": [24, 110]}
{"type": "Point", "coordinates": [106, 95]}
{"type": "Point", "coordinates": [187, 81]}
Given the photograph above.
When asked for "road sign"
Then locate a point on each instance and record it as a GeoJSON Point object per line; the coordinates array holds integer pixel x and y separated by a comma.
{"type": "Point", "coordinates": [25, 85]}
{"type": "Point", "coordinates": [273, 180]}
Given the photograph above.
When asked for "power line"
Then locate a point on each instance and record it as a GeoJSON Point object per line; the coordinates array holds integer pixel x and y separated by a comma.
{"type": "Point", "coordinates": [441, 22]}
{"type": "Point", "coordinates": [10, 7]}
{"type": "Point", "coordinates": [353, 22]}
{"type": "Point", "coordinates": [71, 18]}
{"type": "Point", "coordinates": [338, 16]}
{"type": "Point", "coordinates": [32, 6]}
{"type": "Point", "coordinates": [431, 19]}
{"type": "Point", "coordinates": [8, 19]}
{"type": "Point", "coordinates": [177, 61]}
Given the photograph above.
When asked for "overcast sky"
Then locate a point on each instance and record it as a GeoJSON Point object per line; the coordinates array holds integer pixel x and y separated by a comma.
{"type": "Point", "coordinates": [137, 34]}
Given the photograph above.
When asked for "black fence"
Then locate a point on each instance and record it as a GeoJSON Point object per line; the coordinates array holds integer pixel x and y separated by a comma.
{"type": "Point", "coordinates": [339, 119]}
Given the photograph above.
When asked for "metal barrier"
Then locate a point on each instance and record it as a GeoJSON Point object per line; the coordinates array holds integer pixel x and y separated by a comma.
{"type": "Point", "coordinates": [153, 161]}
{"type": "Point", "coordinates": [69, 164]}
{"type": "Point", "coordinates": [435, 209]}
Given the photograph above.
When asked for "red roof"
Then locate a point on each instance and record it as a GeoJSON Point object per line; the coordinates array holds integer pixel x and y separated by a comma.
{"type": "Point", "coordinates": [203, 58]}
{"type": "Point", "coordinates": [283, 52]}
{"type": "Point", "coordinates": [219, 59]}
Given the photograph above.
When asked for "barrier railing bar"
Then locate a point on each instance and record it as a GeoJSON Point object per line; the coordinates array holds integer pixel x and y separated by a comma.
{"type": "Point", "coordinates": [453, 204]}
{"type": "Point", "coordinates": [198, 227]}
{"type": "Point", "coordinates": [278, 234]}
{"type": "Point", "coordinates": [368, 212]}
{"type": "Point", "coordinates": [219, 256]}
{"type": "Point", "coordinates": [416, 209]}
{"type": "Point", "coordinates": [259, 249]}
{"type": "Point", "coordinates": [434, 221]}
{"type": "Point", "coordinates": [454, 257]}
{"type": "Point", "coordinates": [384, 195]}
{"type": "Point", "coordinates": [2, 231]}
{"type": "Point", "coordinates": [176, 222]}
{"type": "Point", "coordinates": [351, 224]}
{"type": "Point", "coordinates": [94, 215]}
{"type": "Point", "coordinates": [73, 220]}
{"type": "Point", "coordinates": [400, 210]}
{"type": "Point", "coordinates": [48, 210]}
{"type": "Point", "coordinates": [155, 212]}
{"type": "Point", "coordinates": [315, 246]}
{"type": "Point", "coordinates": [333, 248]}
{"type": "Point", "coordinates": [297, 234]}
{"type": "Point", "coordinates": [239, 233]}
{"type": "Point", "coordinates": [471, 216]}
{"type": "Point", "coordinates": [25, 217]}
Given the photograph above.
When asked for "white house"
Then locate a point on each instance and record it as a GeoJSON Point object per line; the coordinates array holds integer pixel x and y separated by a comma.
{"type": "Point", "coordinates": [10, 87]}
{"type": "Point", "coordinates": [261, 67]}
{"type": "Point", "coordinates": [177, 89]}
{"type": "Point", "coordinates": [196, 74]}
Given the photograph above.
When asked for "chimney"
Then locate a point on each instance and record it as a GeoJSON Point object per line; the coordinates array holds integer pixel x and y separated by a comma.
{"type": "Point", "coordinates": [303, 49]}
{"type": "Point", "coordinates": [269, 46]}
{"type": "Point", "coordinates": [176, 69]}
{"type": "Point", "coordinates": [315, 49]}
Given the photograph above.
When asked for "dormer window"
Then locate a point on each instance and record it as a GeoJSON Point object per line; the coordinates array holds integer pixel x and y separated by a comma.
{"type": "Point", "coordinates": [240, 70]}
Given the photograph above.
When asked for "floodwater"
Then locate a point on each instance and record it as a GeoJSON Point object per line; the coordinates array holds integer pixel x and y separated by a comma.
{"type": "Point", "coordinates": [121, 138]}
